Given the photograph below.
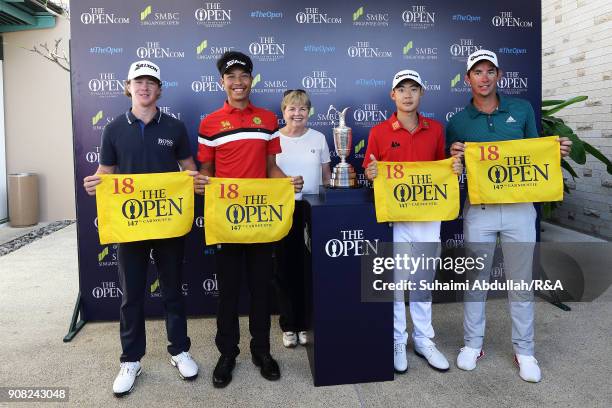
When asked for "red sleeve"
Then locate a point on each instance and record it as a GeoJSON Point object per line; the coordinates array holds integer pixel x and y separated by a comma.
{"type": "Point", "coordinates": [205, 153]}
{"type": "Point", "coordinates": [371, 149]}
{"type": "Point", "coordinates": [274, 146]}
{"type": "Point", "coordinates": [441, 145]}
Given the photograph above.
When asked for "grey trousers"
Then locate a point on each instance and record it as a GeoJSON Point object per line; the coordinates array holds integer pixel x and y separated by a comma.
{"type": "Point", "coordinates": [515, 224]}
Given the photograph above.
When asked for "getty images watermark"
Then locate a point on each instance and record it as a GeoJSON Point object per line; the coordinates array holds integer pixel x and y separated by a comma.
{"type": "Point", "coordinates": [563, 272]}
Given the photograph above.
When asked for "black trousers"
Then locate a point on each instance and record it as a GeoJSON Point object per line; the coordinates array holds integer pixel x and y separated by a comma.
{"type": "Point", "coordinates": [133, 260]}
{"type": "Point", "coordinates": [230, 263]}
{"type": "Point", "coordinates": [289, 275]}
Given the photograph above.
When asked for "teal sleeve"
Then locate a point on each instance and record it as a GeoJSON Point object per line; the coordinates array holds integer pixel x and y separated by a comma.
{"type": "Point", "coordinates": [451, 135]}
{"type": "Point", "coordinates": [531, 130]}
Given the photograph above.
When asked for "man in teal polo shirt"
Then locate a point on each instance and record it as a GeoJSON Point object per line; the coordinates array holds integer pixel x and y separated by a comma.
{"type": "Point", "coordinates": [492, 117]}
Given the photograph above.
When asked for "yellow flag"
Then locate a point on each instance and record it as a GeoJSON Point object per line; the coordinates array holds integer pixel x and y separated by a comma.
{"type": "Point", "coordinates": [137, 207]}
{"type": "Point", "coordinates": [238, 210]}
{"type": "Point", "coordinates": [416, 191]}
{"type": "Point", "coordinates": [515, 171]}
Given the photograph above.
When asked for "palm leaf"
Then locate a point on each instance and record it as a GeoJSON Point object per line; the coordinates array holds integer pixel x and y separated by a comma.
{"type": "Point", "coordinates": [552, 102]}
{"type": "Point", "coordinates": [589, 148]}
{"type": "Point", "coordinates": [569, 169]}
{"type": "Point", "coordinates": [578, 154]}
{"type": "Point", "coordinates": [576, 99]}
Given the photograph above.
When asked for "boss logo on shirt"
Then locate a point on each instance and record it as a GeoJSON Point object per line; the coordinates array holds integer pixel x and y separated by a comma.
{"type": "Point", "coordinates": [395, 144]}
{"type": "Point", "coordinates": [165, 142]}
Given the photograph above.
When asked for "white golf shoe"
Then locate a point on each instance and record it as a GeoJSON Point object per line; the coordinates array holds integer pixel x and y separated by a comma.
{"type": "Point", "coordinates": [529, 370]}
{"type": "Point", "coordinates": [186, 365]}
{"type": "Point", "coordinates": [124, 382]}
{"type": "Point", "coordinates": [433, 356]}
{"type": "Point", "coordinates": [290, 339]}
{"type": "Point", "coordinates": [468, 357]}
{"type": "Point", "coordinates": [400, 362]}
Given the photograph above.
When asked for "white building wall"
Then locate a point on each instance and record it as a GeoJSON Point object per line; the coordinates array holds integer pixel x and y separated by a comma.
{"type": "Point", "coordinates": [38, 118]}
{"type": "Point", "coordinates": [577, 60]}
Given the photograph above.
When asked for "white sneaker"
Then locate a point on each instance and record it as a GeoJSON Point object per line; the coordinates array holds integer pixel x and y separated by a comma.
{"type": "Point", "coordinates": [433, 356]}
{"type": "Point", "coordinates": [303, 338]}
{"type": "Point", "coordinates": [400, 363]}
{"type": "Point", "coordinates": [290, 339]}
{"type": "Point", "coordinates": [467, 358]}
{"type": "Point", "coordinates": [187, 367]}
{"type": "Point", "coordinates": [124, 382]}
{"type": "Point", "coordinates": [528, 368]}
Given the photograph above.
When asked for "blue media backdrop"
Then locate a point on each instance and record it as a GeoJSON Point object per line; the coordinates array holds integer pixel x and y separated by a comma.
{"type": "Point", "coordinates": [343, 55]}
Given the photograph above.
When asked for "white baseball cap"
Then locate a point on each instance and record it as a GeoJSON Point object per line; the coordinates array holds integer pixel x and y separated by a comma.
{"type": "Point", "coordinates": [481, 55]}
{"type": "Point", "coordinates": [406, 74]}
{"type": "Point", "coordinates": [144, 67]}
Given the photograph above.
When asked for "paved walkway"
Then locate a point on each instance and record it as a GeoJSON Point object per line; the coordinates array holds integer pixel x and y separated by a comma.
{"type": "Point", "coordinates": [38, 286]}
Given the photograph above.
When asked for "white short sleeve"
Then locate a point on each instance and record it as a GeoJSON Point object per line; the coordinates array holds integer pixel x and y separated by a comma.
{"type": "Point", "coordinates": [324, 149]}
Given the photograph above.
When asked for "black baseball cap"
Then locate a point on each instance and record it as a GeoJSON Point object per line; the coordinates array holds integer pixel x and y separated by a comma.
{"type": "Point", "coordinates": [231, 59]}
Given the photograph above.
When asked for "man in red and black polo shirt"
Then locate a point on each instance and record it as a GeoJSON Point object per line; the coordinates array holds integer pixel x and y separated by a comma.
{"type": "Point", "coordinates": [409, 137]}
{"type": "Point", "coordinates": [238, 141]}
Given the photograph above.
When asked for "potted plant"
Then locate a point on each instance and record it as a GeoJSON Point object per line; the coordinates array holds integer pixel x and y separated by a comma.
{"type": "Point", "coordinates": [554, 126]}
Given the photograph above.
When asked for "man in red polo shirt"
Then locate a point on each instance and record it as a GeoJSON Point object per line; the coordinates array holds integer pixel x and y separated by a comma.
{"type": "Point", "coordinates": [239, 141]}
{"type": "Point", "coordinates": [407, 137]}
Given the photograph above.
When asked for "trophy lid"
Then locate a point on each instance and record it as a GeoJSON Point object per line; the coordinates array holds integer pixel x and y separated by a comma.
{"type": "Point", "coordinates": [342, 117]}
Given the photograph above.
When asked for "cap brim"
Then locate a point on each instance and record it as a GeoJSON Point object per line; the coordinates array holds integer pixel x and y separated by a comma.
{"type": "Point", "coordinates": [245, 69]}
{"type": "Point", "coordinates": [404, 80]}
{"type": "Point", "coordinates": [146, 75]}
{"type": "Point", "coordinates": [483, 59]}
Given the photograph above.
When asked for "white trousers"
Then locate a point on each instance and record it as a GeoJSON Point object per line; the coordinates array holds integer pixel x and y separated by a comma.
{"type": "Point", "coordinates": [420, 311]}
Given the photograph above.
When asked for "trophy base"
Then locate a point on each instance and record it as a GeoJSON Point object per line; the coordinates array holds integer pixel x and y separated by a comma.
{"type": "Point", "coordinates": [343, 177]}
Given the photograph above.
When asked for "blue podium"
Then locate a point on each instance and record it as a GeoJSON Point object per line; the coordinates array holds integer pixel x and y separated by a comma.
{"type": "Point", "coordinates": [352, 341]}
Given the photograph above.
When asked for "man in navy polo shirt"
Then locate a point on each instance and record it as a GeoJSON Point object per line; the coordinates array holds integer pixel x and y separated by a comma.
{"type": "Point", "coordinates": [494, 117]}
{"type": "Point", "coordinates": [239, 141]}
{"type": "Point", "coordinates": [145, 140]}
